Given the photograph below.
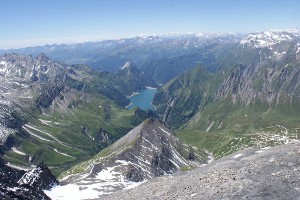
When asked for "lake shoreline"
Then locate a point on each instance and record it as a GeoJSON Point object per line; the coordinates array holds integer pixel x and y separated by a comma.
{"type": "Point", "coordinates": [151, 88]}
{"type": "Point", "coordinates": [130, 104]}
{"type": "Point", "coordinates": [134, 93]}
{"type": "Point", "coordinates": [142, 99]}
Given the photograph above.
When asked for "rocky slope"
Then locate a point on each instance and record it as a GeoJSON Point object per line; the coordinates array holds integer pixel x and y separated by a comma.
{"type": "Point", "coordinates": [179, 100]}
{"type": "Point", "coordinates": [149, 150]}
{"type": "Point", "coordinates": [60, 113]}
{"type": "Point", "coordinates": [130, 79]}
{"type": "Point", "coordinates": [16, 184]}
{"type": "Point", "coordinates": [248, 174]}
{"type": "Point", "coordinates": [268, 73]}
{"type": "Point", "coordinates": [253, 100]}
{"type": "Point", "coordinates": [40, 178]}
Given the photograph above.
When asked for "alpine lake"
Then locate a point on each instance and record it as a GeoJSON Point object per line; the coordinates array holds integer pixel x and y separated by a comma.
{"type": "Point", "coordinates": [143, 99]}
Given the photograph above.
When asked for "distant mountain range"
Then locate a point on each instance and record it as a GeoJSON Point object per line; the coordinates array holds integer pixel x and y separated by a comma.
{"type": "Point", "coordinates": [110, 55]}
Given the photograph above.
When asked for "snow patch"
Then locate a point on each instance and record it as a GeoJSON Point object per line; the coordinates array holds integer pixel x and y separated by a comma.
{"type": "Point", "coordinates": [164, 130]}
{"type": "Point", "coordinates": [64, 154]}
{"type": "Point", "coordinates": [72, 191]}
{"type": "Point", "coordinates": [237, 156]}
{"type": "Point", "coordinates": [268, 38]}
{"type": "Point", "coordinates": [126, 65]}
{"type": "Point", "coordinates": [46, 122]}
{"type": "Point", "coordinates": [35, 135]}
{"type": "Point", "coordinates": [18, 152]}
{"type": "Point", "coordinates": [107, 174]}
{"type": "Point", "coordinates": [105, 182]}
{"type": "Point", "coordinates": [259, 151]}
{"type": "Point", "coordinates": [30, 176]}
{"type": "Point", "coordinates": [151, 88]}
{"type": "Point", "coordinates": [18, 167]}
{"type": "Point", "coordinates": [209, 127]}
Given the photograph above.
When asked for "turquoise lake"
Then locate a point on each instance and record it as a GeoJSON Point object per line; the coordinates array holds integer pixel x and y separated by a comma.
{"type": "Point", "coordinates": [143, 100]}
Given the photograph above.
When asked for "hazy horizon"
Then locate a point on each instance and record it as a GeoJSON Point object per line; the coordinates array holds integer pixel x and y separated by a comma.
{"type": "Point", "coordinates": [35, 23]}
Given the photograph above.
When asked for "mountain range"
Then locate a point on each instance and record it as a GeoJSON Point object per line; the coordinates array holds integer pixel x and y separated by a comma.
{"type": "Point", "coordinates": [217, 94]}
{"type": "Point", "coordinates": [110, 55]}
{"type": "Point", "coordinates": [252, 100]}
{"type": "Point", "coordinates": [61, 114]}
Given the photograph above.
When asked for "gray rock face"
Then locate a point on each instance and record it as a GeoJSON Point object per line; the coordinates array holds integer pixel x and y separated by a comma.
{"type": "Point", "coordinates": [248, 174]}
{"type": "Point", "coordinates": [269, 81]}
{"type": "Point", "coordinates": [40, 178]}
{"type": "Point", "coordinates": [131, 79]}
{"type": "Point", "coordinates": [153, 151]}
{"type": "Point", "coordinates": [272, 76]}
{"type": "Point", "coordinates": [13, 186]}
{"type": "Point", "coordinates": [263, 68]}
{"type": "Point", "coordinates": [149, 150]}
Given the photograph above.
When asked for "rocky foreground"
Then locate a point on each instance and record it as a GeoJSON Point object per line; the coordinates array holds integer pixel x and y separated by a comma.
{"type": "Point", "coordinates": [248, 174]}
{"type": "Point", "coordinates": [18, 184]}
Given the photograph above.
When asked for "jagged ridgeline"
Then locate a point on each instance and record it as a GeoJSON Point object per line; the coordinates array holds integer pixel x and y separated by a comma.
{"type": "Point", "coordinates": [221, 93]}
{"type": "Point", "coordinates": [252, 100]}
{"type": "Point", "coordinates": [16, 184]}
{"type": "Point", "coordinates": [62, 114]}
{"type": "Point", "coordinates": [110, 55]}
{"type": "Point", "coordinates": [149, 150]}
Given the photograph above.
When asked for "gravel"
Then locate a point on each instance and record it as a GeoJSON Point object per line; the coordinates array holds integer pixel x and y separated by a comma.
{"type": "Point", "coordinates": [252, 173]}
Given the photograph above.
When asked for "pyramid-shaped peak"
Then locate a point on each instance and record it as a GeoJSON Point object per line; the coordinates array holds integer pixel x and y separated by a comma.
{"type": "Point", "coordinates": [127, 65]}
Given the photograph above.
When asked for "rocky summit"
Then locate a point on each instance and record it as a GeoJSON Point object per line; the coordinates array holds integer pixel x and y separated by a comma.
{"type": "Point", "coordinates": [39, 177]}
{"type": "Point", "coordinates": [149, 150]}
{"type": "Point", "coordinates": [248, 174]}
{"type": "Point", "coordinates": [18, 184]}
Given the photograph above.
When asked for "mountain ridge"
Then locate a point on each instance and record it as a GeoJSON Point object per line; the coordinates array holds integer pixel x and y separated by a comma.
{"type": "Point", "coordinates": [59, 112]}
{"type": "Point", "coordinates": [149, 150]}
{"type": "Point", "coordinates": [252, 100]}
{"type": "Point", "coordinates": [248, 174]}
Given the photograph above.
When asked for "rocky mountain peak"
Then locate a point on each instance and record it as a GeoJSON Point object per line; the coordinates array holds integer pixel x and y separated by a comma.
{"type": "Point", "coordinates": [30, 69]}
{"type": "Point", "coordinates": [39, 177]}
{"type": "Point", "coordinates": [130, 69]}
{"type": "Point", "coordinates": [13, 186]}
{"type": "Point", "coordinates": [127, 65]}
{"type": "Point", "coordinates": [269, 38]}
{"type": "Point", "coordinates": [147, 151]}
{"type": "Point", "coordinates": [131, 79]}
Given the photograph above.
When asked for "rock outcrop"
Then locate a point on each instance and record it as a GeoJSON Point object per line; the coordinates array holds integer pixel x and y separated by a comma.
{"type": "Point", "coordinates": [39, 177]}
{"type": "Point", "coordinates": [149, 150]}
{"type": "Point", "coordinates": [16, 184]}
{"type": "Point", "coordinates": [248, 174]}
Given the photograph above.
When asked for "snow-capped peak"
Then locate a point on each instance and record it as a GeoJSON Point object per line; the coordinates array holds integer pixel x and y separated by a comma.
{"type": "Point", "coordinates": [269, 38]}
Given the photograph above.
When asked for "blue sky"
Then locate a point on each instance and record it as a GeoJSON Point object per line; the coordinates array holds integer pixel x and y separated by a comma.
{"type": "Point", "coordinates": [37, 22]}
